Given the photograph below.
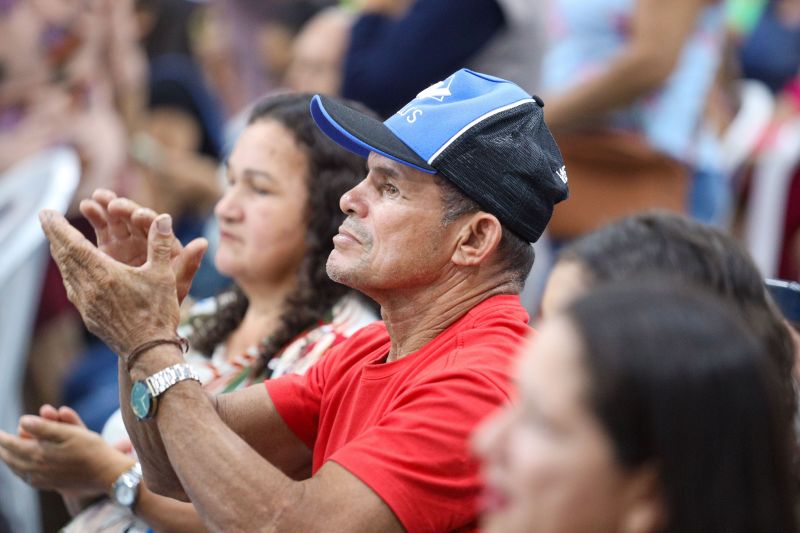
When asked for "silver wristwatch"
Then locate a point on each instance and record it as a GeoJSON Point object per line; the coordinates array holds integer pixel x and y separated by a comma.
{"type": "Point", "coordinates": [145, 393]}
{"type": "Point", "coordinates": [125, 490]}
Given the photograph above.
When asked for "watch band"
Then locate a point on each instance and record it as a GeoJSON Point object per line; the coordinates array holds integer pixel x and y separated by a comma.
{"type": "Point", "coordinates": [166, 378]}
{"type": "Point", "coordinates": [125, 489]}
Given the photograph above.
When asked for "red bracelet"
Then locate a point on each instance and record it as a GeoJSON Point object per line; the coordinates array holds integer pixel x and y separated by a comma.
{"type": "Point", "coordinates": [180, 342]}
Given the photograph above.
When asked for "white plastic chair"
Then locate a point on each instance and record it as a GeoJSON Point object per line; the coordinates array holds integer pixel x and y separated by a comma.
{"type": "Point", "coordinates": [757, 105]}
{"type": "Point", "coordinates": [45, 181]}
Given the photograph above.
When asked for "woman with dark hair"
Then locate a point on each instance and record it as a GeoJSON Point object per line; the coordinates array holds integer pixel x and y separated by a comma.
{"type": "Point", "coordinates": [300, 235]}
{"type": "Point", "coordinates": [277, 219]}
{"type": "Point", "coordinates": [668, 245]}
{"type": "Point", "coordinates": [642, 418]}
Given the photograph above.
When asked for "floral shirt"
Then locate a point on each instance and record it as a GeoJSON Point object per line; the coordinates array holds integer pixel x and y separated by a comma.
{"type": "Point", "coordinates": [221, 373]}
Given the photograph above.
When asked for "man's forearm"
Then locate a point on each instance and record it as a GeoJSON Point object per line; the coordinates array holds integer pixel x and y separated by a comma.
{"type": "Point", "coordinates": [214, 465]}
{"type": "Point", "coordinates": [658, 34]}
{"type": "Point", "coordinates": [146, 439]}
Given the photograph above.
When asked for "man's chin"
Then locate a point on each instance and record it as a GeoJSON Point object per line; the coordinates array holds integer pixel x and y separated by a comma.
{"type": "Point", "coordinates": [338, 272]}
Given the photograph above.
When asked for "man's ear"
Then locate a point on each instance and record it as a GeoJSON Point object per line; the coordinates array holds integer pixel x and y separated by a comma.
{"type": "Point", "coordinates": [479, 236]}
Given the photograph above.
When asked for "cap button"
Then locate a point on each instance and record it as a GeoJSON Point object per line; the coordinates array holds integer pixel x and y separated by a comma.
{"type": "Point", "coordinates": [538, 100]}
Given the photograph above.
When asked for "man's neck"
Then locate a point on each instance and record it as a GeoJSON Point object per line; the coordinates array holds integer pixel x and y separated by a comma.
{"type": "Point", "coordinates": [414, 318]}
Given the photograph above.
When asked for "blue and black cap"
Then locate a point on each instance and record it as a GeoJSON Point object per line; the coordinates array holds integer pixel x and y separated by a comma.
{"type": "Point", "coordinates": [484, 134]}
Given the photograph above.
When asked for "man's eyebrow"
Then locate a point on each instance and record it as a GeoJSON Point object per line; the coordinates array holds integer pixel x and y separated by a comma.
{"type": "Point", "coordinates": [385, 170]}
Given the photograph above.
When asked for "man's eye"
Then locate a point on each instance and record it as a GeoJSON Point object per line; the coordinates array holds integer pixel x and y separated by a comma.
{"type": "Point", "coordinates": [390, 189]}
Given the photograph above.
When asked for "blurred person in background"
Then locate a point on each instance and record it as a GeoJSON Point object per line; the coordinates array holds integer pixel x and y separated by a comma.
{"type": "Point", "coordinates": [173, 151]}
{"type": "Point", "coordinates": [245, 45]}
{"type": "Point", "coordinates": [278, 216]}
{"type": "Point", "coordinates": [398, 46]}
{"type": "Point", "coordinates": [224, 42]}
{"type": "Point", "coordinates": [279, 31]}
{"type": "Point", "coordinates": [770, 53]}
{"type": "Point", "coordinates": [72, 74]}
{"type": "Point", "coordinates": [643, 418]}
{"type": "Point", "coordinates": [674, 247]}
{"type": "Point", "coordinates": [176, 144]}
{"type": "Point", "coordinates": [313, 59]}
{"type": "Point", "coordinates": [626, 83]}
{"type": "Point", "coordinates": [318, 52]}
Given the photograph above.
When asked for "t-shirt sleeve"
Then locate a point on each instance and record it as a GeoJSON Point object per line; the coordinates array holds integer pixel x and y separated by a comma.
{"type": "Point", "coordinates": [417, 458]}
{"type": "Point", "coordinates": [297, 398]}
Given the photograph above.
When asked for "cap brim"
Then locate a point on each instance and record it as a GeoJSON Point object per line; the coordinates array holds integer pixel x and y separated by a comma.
{"type": "Point", "coordinates": [361, 134]}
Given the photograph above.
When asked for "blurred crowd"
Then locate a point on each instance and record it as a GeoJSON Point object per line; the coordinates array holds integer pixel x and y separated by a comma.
{"type": "Point", "coordinates": [687, 106]}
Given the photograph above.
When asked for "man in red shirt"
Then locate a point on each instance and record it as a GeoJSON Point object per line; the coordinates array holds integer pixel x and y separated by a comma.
{"type": "Point", "coordinates": [374, 437]}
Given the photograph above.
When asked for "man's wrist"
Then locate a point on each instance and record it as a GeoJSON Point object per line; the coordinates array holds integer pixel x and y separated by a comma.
{"type": "Point", "coordinates": [155, 359]}
{"type": "Point", "coordinates": [146, 346]}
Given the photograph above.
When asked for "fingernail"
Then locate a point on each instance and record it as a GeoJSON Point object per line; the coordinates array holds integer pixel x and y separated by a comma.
{"type": "Point", "coordinates": [164, 225]}
{"type": "Point", "coordinates": [27, 421]}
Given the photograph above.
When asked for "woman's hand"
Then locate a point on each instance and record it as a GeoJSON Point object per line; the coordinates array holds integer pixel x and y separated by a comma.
{"type": "Point", "coordinates": [62, 455]}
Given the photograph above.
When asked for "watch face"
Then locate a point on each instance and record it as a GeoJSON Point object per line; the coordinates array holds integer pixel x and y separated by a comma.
{"type": "Point", "coordinates": [141, 399]}
{"type": "Point", "coordinates": [125, 494]}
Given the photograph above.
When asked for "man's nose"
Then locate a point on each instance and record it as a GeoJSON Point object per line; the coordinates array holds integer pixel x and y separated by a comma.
{"type": "Point", "coordinates": [353, 202]}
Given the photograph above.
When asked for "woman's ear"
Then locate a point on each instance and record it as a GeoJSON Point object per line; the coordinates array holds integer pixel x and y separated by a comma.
{"type": "Point", "coordinates": [644, 510]}
{"type": "Point", "coordinates": [479, 236]}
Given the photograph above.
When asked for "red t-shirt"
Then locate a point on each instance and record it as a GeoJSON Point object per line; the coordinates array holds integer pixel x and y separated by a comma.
{"type": "Point", "coordinates": [403, 427]}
